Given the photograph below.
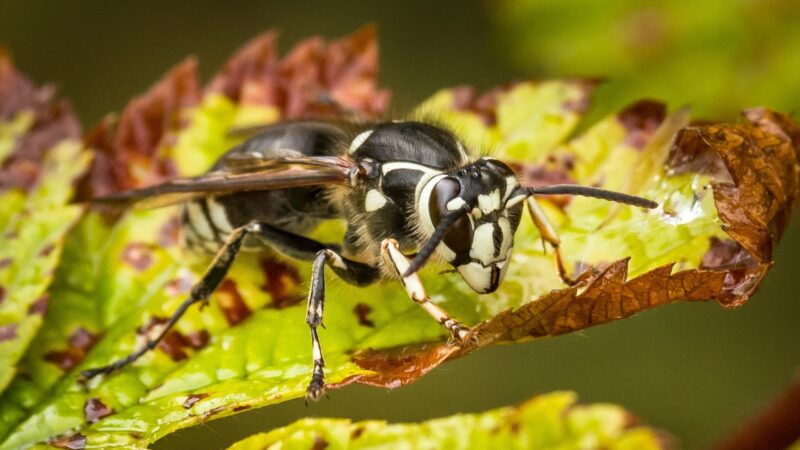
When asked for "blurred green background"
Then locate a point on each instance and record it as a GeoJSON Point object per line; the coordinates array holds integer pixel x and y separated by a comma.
{"type": "Point", "coordinates": [695, 370]}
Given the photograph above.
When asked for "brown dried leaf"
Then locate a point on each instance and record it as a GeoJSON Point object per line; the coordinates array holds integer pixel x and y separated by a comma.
{"type": "Point", "coordinates": [304, 82]}
{"type": "Point", "coordinates": [52, 122]}
{"type": "Point", "coordinates": [128, 156]}
{"type": "Point", "coordinates": [313, 80]}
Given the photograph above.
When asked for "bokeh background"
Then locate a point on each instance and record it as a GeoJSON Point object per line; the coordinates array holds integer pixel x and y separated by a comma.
{"type": "Point", "coordinates": [695, 370]}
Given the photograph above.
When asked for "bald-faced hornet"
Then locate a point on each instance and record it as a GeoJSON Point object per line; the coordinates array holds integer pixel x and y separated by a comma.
{"type": "Point", "coordinates": [402, 187]}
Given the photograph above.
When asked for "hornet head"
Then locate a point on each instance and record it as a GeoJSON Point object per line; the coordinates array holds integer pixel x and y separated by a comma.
{"type": "Point", "coordinates": [473, 212]}
{"type": "Point", "coordinates": [468, 208]}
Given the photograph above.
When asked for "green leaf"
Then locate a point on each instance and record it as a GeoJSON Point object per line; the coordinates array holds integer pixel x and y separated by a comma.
{"type": "Point", "coordinates": [545, 422]}
{"type": "Point", "coordinates": [35, 227]}
{"type": "Point", "coordinates": [250, 346]}
{"type": "Point", "coordinates": [40, 160]}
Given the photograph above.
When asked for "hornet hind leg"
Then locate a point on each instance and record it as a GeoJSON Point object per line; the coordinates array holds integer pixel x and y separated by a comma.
{"type": "Point", "coordinates": [290, 244]}
{"type": "Point", "coordinates": [208, 283]}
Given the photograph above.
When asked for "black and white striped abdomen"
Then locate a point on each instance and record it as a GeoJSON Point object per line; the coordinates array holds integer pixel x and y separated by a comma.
{"type": "Point", "coordinates": [205, 224]}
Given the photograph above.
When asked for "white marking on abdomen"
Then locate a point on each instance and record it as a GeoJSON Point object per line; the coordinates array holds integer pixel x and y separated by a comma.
{"type": "Point", "coordinates": [511, 184]}
{"type": "Point", "coordinates": [219, 216]}
{"type": "Point", "coordinates": [199, 222]}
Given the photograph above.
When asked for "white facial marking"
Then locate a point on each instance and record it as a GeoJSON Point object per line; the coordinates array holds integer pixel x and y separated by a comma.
{"type": "Point", "coordinates": [508, 236]}
{"type": "Point", "coordinates": [479, 278]}
{"type": "Point", "coordinates": [374, 201]}
{"type": "Point", "coordinates": [511, 184]}
{"type": "Point", "coordinates": [359, 140]}
{"type": "Point", "coordinates": [455, 203]}
{"type": "Point", "coordinates": [489, 202]}
{"type": "Point", "coordinates": [483, 243]}
{"type": "Point", "coordinates": [503, 265]}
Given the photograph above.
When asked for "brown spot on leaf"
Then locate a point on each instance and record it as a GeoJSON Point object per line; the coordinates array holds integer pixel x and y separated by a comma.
{"type": "Point", "coordinates": [581, 104]}
{"type": "Point", "coordinates": [2, 294]}
{"type": "Point", "coordinates": [231, 302]}
{"type": "Point", "coordinates": [40, 305]}
{"type": "Point", "coordinates": [282, 282]}
{"type": "Point", "coordinates": [75, 441]}
{"type": "Point", "coordinates": [641, 120]}
{"type": "Point", "coordinates": [362, 311]}
{"type": "Point", "coordinates": [485, 105]}
{"type": "Point", "coordinates": [95, 409]}
{"type": "Point", "coordinates": [192, 399]}
{"type": "Point", "coordinates": [128, 156]}
{"type": "Point", "coordinates": [554, 170]}
{"type": "Point", "coordinates": [180, 285]}
{"type": "Point", "coordinates": [214, 411]}
{"type": "Point", "coordinates": [5, 262]}
{"type": "Point", "coordinates": [65, 359]}
{"type": "Point", "coordinates": [197, 339]}
{"type": "Point", "coordinates": [53, 122]}
{"type": "Point", "coordinates": [465, 98]}
{"type": "Point", "coordinates": [169, 233]}
{"type": "Point", "coordinates": [80, 342]}
{"type": "Point", "coordinates": [46, 250]}
{"type": "Point", "coordinates": [240, 408]}
{"type": "Point", "coordinates": [8, 332]}
{"type": "Point", "coordinates": [82, 339]}
{"type": "Point", "coordinates": [357, 432]}
{"type": "Point", "coordinates": [300, 84]}
{"type": "Point", "coordinates": [137, 255]}
{"type": "Point", "coordinates": [174, 343]}
{"type": "Point", "coordinates": [319, 443]}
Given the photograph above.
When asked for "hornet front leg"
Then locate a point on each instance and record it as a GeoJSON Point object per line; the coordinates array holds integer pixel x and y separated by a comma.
{"type": "Point", "coordinates": [550, 235]}
{"type": "Point", "coordinates": [353, 272]}
{"type": "Point", "coordinates": [399, 262]}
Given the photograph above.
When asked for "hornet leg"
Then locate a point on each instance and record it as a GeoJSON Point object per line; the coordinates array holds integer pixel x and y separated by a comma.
{"type": "Point", "coordinates": [200, 292]}
{"type": "Point", "coordinates": [350, 271]}
{"type": "Point", "coordinates": [399, 263]}
{"type": "Point", "coordinates": [550, 235]}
